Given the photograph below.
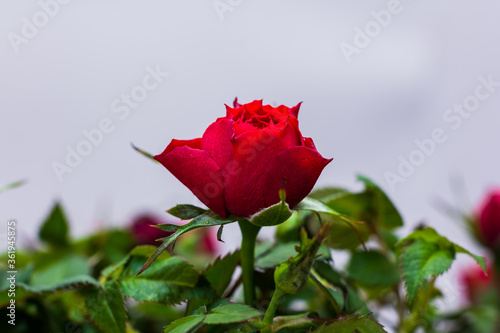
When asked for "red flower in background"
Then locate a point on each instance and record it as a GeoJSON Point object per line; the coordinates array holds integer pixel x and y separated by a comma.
{"type": "Point", "coordinates": [143, 231]}
{"type": "Point", "coordinates": [476, 283]}
{"type": "Point", "coordinates": [243, 159]}
{"type": "Point", "coordinates": [489, 219]}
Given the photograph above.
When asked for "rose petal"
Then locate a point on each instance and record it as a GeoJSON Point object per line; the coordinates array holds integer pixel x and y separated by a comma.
{"type": "Point", "coordinates": [295, 110]}
{"type": "Point", "coordinates": [194, 143]}
{"type": "Point", "coordinates": [243, 191]}
{"type": "Point", "coordinates": [297, 169]}
{"type": "Point", "coordinates": [198, 172]}
{"type": "Point", "coordinates": [216, 141]}
{"type": "Point", "coordinates": [290, 132]}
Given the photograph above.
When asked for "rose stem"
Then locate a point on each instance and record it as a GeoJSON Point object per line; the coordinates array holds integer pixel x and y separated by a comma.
{"type": "Point", "coordinates": [249, 233]}
{"type": "Point", "coordinates": [273, 306]}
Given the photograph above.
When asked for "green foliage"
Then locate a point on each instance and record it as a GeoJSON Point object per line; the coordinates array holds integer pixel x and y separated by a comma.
{"type": "Point", "coordinates": [372, 268]}
{"type": "Point", "coordinates": [66, 267]}
{"type": "Point", "coordinates": [428, 254]}
{"type": "Point", "coordinates": [350, 324]}
{"type": "Point", "coordinates": [207, 219]}
{"type": "Point", "coordinates": [421, 260]}
{"type": "Point", "coordinates": [224, 314]}
{"type": "Point", "coordinates": [106, 307]}
{"type": "Point", "coordinates": [317, 206]}
{"type": "Point", "coordinates": [186, 212]}
{"type": "Point", "coordinates": [364, 212]}
{"type": "Point", "coordinates": [169, 280]}
{"type": "Point", "coordinates": [4, 188]}
{"type": "Point", "coordinates": [298, 321]}
{"type": "Point", "coordinates": [273, 215]}
{"type": "Point", "coordinates": [25, 291]}
{"type": "Point", "coordinates": [430, 235]}
{"type": "Point", "coordinates": [383, 212]}
{"type": "Point", "coordinates": [92, 284]}
{"type": "Point", "coordinates": [144, 153]}
{"type": "Point", "coordinates": [54, 230]}
{"type": "Point", "coordinates": [276, 254]}
{"type": "Point", "coordinates": [220, 272]}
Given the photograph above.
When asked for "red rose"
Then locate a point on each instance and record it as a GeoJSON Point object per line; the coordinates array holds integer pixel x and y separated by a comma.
{"type": "Point", "coordinates": [244, 158]}
{"type": "Point", "coordinates": [475, 282]}
{"type": "Point", "coordinates": [489, 219]}
{"type": "Point", "coordinates": [143, 231]}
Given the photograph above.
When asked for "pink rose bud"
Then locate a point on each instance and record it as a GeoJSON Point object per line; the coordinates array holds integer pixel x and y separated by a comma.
{"type": "Point", "coordinates": [489, 219]}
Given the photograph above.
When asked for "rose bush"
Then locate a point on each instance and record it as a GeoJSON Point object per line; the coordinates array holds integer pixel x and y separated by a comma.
{"type": "Point", "coordinates": [243, 159]}
{"type": "Point", "coordinates": [488, 217]}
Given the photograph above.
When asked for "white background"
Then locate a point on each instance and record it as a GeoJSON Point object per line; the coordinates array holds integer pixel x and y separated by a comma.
{"type": "Point", "coordinates": [364, 113]}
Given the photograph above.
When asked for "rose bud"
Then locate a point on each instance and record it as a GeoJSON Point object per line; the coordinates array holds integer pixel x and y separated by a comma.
{"type": "Point", "coordinates": [476, 283]}
{"type": "Point", "coordinates": [242, 160]}
{"type": "Point", "coordinates": [144, 232]}
{"type": "Point", "coordinates": [291, 275]}
{"type": "Point", "coordinates": [488, 217]}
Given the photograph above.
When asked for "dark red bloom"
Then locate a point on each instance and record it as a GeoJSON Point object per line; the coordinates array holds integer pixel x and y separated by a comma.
{"type": "Point", "coordinates": [243, 159]}
{"type": "Point", "coordinates": [475, 282]}
{"type": "Point", "coordinates": [143, 231]}
{"type": "Point", "coordinates": [489, 219]}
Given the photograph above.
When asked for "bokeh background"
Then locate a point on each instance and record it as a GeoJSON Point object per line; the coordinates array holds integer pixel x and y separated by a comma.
{"type": "Point", "coordinates": [67, 72]}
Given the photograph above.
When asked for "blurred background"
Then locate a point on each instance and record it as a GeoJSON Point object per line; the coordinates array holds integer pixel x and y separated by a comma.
{"type": "Point", "coordinates": [81, 81]}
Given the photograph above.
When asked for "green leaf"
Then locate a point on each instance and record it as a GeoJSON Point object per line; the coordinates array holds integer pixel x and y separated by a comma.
{"type": "Point", "coordinates": [67, 267]}
{"type": "Point", "coordinates": [219, 273]}
{"type": "Point", "coordinates": [164, 282]}
{"type": "Point", "coordinates": [273, 215]}
{"type": "Point", "coordinates": [298, 321]}
{"type": "Point", "coordinates": [24, 290]}
{"type": "Point", "coordinates": [4, 188]}
{"type": "Point", "coordinates": [144, 153]}
{"type": "Point", "coordinates": [326, 194]}
{"type": "Point", "coordinates": [54, 230]}
{"type": "Point", "coordinates": [106, 308]}
{"type": "Point", "coordinates": [186, 212]}
{"type": "Point", "coordinates": [185, 325]}
{"type": "Point", "coordinates": [231, 313]}
{"type": "Point", "coordinates": [319, 207]}
{"type": "Point", "coordinates": [372, 268]}
{"type": "Point", "coordinates": [354, 303]}
{"type": "Point", "coordinates": [287, 231]}
{"type": "Point", "coordinates": [169, 280]}
{"type": "Point", "coordinates": [387, 216]}
{"type": "Point", "coordinates": [344, 325]}
{"type": "Point", "coordinates": [371, 326]}
{"type": "Point", "coordinates": [430, 235]}
{"type": "Point", "coordinates": [276, 254]}
{"type": "Point", "coordinates": [421, 260]}
{"type": "Point", "coordinates": [371, 206]}
{"type": "Point", "coordinates": [481, 261]}
{"type": "Point", "coordinates": [138, 253]}
{"type": "Point", "coordinates": [224, 314]}
{"type": "Point", "coordinates": [207, 219]}
{"type": "Point", "coordinates": [326, 271]}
